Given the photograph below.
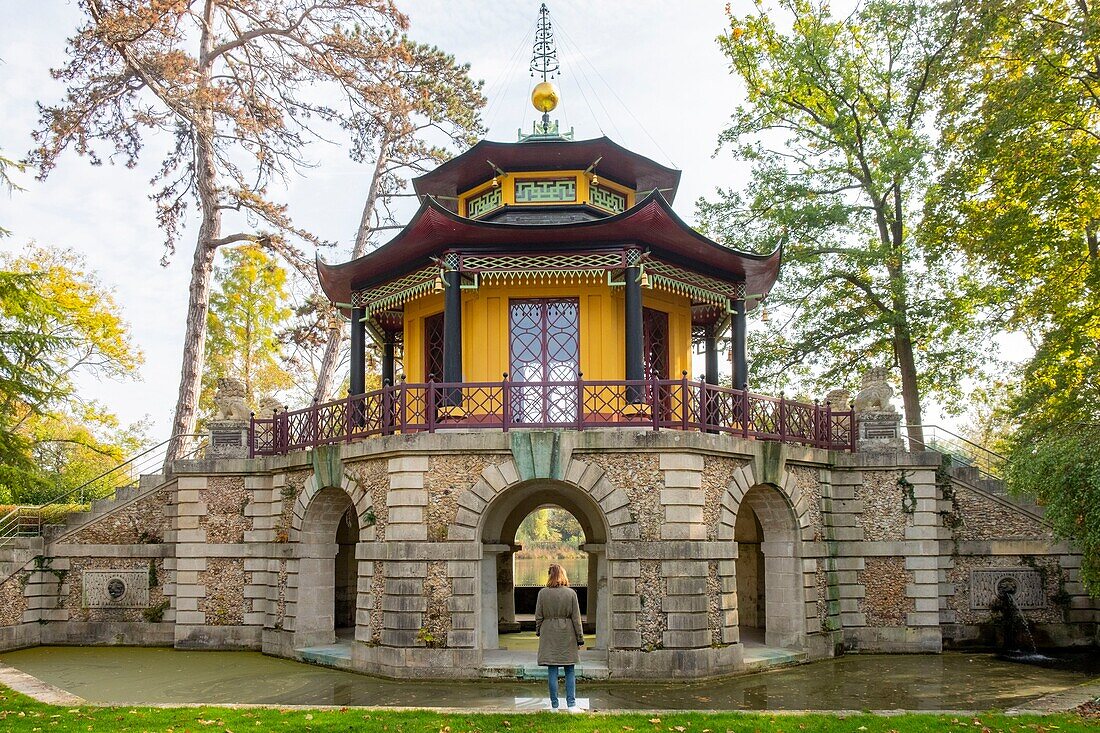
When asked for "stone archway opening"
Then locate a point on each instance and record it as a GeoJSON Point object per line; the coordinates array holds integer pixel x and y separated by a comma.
{"type": "Point", "coordinates": [507, 607]}
{"type": "Point", "coordinates": [770, 603]}
{"type": "Point", "coordinates": [327, 570]}
{"type": "Point", "coordinates": [548, 534]}
{"type": "Point", "coordinates": [347, 574]}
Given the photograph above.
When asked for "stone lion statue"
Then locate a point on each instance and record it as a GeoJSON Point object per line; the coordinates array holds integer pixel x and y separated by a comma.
{"type": "Point", "coordinates": [876, 392]}
{"type": "Point", "coordinates": [839, 398]}
{"type": "Point", "coordinates": [268, 407]}
{"type": "Point", "coordinates": [231, 400]}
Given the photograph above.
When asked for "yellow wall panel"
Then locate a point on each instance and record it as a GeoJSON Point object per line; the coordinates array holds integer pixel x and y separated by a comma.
{"type": "Point", "coordinates": [485, 355]}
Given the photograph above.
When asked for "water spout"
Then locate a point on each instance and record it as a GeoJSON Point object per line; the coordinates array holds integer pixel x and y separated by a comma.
{"type": "Point", "coordinates": [1015, 626]}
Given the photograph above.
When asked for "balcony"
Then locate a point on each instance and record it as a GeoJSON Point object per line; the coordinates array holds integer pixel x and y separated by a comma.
{"type": "Point", "coordinates": [654, 404]}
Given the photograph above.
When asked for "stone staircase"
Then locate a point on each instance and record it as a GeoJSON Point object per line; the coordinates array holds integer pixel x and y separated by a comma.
{"type": "Point", "coordinates": [102, 507]}
{"type": "Point", "coordinates": [17, 553]}
{"type": "Point", "coordinates": [973, 478]}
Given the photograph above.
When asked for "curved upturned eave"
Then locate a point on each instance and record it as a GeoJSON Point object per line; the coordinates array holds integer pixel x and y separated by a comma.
{"type": "Point", "coordinates": [650, 223]}
{"type": "Point", "coordinates": [457, 174]}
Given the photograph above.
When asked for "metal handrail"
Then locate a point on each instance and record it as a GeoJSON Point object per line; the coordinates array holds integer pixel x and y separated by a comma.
{"type": "Point", "coordinates": [985, 460]}
{"type": "Point", "coordinates": [10, 522]}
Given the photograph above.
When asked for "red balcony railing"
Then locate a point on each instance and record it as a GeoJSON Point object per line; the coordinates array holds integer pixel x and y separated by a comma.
{"type": "Point", "coordinates": [672, 404]}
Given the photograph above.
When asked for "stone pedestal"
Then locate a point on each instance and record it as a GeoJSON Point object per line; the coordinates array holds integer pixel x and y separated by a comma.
{"type": "Point", "coordinates": [880, 432]}
{"type": "Point", "coordinates": [228, 439]}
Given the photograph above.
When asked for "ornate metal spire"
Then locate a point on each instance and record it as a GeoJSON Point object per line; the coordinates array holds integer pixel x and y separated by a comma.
{"type": "Point", "coordinates": [544, 58]}
{"type": "Point", "coordinates": [544, 97]}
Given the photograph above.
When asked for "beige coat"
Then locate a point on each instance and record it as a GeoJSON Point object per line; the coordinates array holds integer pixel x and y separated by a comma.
{"type": "Point", "coordinates": [558, 626]}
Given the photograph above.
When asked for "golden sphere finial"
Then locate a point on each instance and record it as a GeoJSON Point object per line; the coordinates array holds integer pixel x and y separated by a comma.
{"type": "Point", "coordinates": [545, 96]}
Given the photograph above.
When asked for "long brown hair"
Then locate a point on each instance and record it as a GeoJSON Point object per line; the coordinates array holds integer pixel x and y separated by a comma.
{"type": "Point", "coordinates": [558, 578]}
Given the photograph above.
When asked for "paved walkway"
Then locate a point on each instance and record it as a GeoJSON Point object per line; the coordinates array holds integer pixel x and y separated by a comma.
{"type": "Point", "coordinates": [33, 687]}
{"type": "Point", "coordinates": [1057, 702]}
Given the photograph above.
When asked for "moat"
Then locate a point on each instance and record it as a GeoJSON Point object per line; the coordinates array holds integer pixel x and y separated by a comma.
{"type": "Point", "coordinates": [137, 676]}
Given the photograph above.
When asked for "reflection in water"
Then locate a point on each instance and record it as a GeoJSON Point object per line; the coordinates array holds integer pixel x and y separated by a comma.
{"type": "Point", "coordinates": [130, 676]}
{"type": "Point", "coordinates": [532, 571]}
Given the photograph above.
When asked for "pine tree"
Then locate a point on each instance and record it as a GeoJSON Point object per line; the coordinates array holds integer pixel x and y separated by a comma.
{"type": "Point", "coordinates": [247, 313]}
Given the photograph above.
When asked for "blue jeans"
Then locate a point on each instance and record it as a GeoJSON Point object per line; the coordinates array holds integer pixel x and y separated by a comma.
{"type": "Point", "coordinates": [570, 684]}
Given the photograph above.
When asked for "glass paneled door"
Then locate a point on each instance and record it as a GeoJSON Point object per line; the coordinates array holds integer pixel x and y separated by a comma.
{"type": "Point", "coordinates": [544, 347]}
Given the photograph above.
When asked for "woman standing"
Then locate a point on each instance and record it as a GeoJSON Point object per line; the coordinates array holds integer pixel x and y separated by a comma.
{"type": "Point", "coordinates": [558, 626]}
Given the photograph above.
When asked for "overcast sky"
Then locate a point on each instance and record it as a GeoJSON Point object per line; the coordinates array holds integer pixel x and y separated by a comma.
{"type": "Point", "coordinates": [646, 73]}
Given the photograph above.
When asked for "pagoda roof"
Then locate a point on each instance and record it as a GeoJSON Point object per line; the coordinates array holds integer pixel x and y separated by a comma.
{"type": "Point", "coordinates": [650, 224]}
{"type": "Point", "coordinates": [623, 166]}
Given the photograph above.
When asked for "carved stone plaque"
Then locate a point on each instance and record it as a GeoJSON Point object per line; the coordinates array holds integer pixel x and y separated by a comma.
{"type": "Point", "coordinates": [116, 588]}
{"type": "Point", "coordinates": [879, 429]}
{"type": "Point", "coordinates": [229, 438]}
{"type": "Point", "coordinates": [1026, 585]}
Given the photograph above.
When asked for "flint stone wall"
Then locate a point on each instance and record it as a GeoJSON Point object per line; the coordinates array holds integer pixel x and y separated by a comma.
{"type": "Point", "coordinates": [860, 569]}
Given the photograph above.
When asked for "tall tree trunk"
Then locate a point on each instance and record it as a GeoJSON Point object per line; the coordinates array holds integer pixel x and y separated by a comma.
{"type": "Point", "coordinates": [910, 393]}
{"type": "Point", "coordinates": [327, 372]}
{"type": "Point", "coordinates": [202, 265]}
{"type": "Point", "coordinates": [903, 337]}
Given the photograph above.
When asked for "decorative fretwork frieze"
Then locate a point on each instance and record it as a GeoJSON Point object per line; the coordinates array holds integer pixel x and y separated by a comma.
{"type": "Point", "coordinates": [694, 285]}
{"type": "Point", "coordinates": [590, 267]}
{"type": "Point", "coordinates": [397, 292]}
{"type": "Point", "coordinates": [605, 198]}
{"type": "Point", "coordinates": [576, 266]}
{"type": "Point", "coordinates": [486, 202]}
{"type": "Point", "coordinates": [557, 190]}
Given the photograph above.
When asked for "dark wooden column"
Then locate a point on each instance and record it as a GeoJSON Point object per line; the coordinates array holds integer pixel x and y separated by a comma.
{"type": "Point", "coordinates": [387, 359]}
{"type": "Point", "coordinates": [452, 335]}
{"type": "Point", "coordinates": [358, 379]}
{"type": "Point", "coordinates": [635, 364]}
{"type": "Point", "coordinates": [710, 349]}
{"type": "Point", "coordinates": [740, 354]}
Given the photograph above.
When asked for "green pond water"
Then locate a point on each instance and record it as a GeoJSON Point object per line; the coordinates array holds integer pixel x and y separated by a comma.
{"type": "Point", "coordinates": [132, 676]}
{"type": "Point", "coordinates": [533, 571]}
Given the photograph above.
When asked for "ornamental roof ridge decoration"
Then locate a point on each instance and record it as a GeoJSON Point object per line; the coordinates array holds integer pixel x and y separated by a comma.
{"type": "Point", "coordinates": [650, 223]}
{"type": "Point", "coordinates": [466, 170]}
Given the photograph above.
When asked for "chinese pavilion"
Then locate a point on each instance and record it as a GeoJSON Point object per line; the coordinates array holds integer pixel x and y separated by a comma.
{"type": "Point", "coordinates": [549, 260]}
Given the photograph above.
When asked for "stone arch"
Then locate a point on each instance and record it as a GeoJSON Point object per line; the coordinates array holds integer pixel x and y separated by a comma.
{"type": "Point", "coordinates": [745, 479]}
{"type": "Point", "coordinates": [784, 519]}
{"type": "Point", "coordinates": [324, 567]}
{"type": "Point", "coordinates": [359, 498]}
{"type": "Point", "coordinates": [586, 478]}
{"type": "Point", "coordinates": [496, 503]}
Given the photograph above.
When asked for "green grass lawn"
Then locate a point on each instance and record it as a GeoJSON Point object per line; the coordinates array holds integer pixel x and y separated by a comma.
{"type": "Point", "coordinates": [21, 713]}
